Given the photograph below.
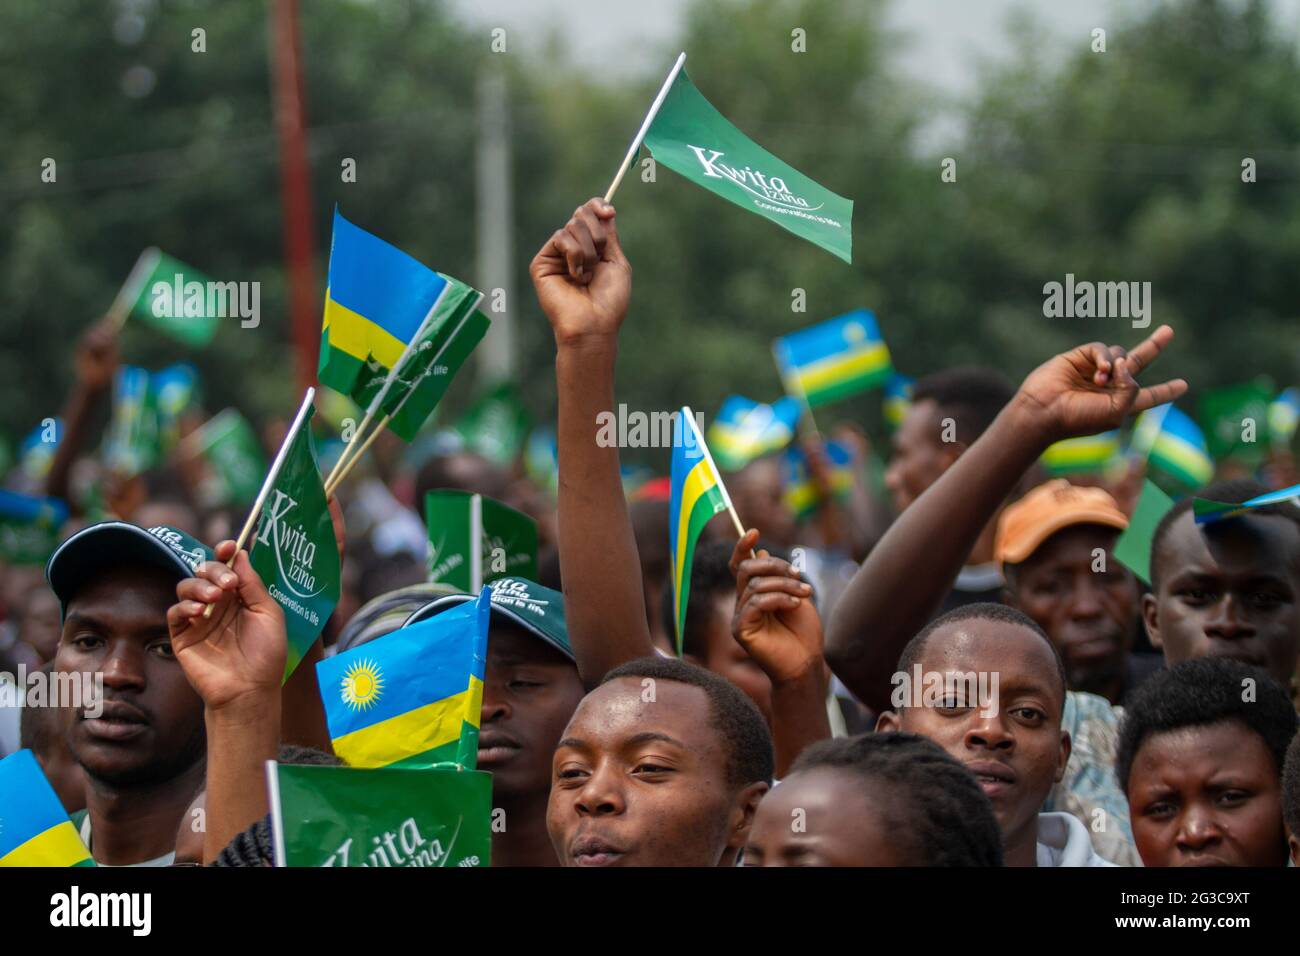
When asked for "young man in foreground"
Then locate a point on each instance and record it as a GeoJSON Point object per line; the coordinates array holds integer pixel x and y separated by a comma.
{"type": "Point", "coordinates": [143, 756]}
{"type": "Point", "coordinates": [584, 285]}
{"type": "Point", "coordinates": [1012, 739]}
{"type": "Point", "coordinates": [663, 764]}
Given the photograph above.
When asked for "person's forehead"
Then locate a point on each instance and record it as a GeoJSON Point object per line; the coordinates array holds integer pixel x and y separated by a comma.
{"type": "Point", "coordinates": [1248, 544]}
{"type": "Point", "coordinates": [1016, 654]}
{"type": "Point", "coordinates": [825, 786]}
{"type": "Point", "coordinates": [125, 590]}
{"type": "Point", "coordinates": [627, 706]}
{"type": "Point", "coordinates": [1073, 542]}
{"type": "Point", "coordinates": [1221, 746]}
{"type": "Point", "coordinates": [509, 643]}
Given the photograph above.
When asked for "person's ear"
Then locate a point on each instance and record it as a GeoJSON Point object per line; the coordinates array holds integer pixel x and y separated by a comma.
{"type": "Point", "coordinates": [742, 815]}
{"type": "Point", "coordinates": [888, 722]}
{"type": "Point", "coordinates": [1066, 746]}
{"type": "Point", "coordinates": [1294, 843]}
{"type": "Point", "coordinates": [1151, 620]}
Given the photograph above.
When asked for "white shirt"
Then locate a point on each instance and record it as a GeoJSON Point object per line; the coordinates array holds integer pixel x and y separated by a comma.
{"type": "Point", "coordinates": [1063, 841]}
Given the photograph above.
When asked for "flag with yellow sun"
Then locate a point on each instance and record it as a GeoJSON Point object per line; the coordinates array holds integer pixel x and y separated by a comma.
{"type": "Point", "coordinates": [411, 698]}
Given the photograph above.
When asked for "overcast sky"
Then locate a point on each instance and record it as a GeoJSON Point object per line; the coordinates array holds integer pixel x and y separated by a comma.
{"type": "Point", "coordinates": [948, 37]}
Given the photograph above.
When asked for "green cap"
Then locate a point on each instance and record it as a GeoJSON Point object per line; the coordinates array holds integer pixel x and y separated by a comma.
{"type": "Point", "coordinates": [111, 544]}
{"type": "Point", "coordinates": [536, 609]}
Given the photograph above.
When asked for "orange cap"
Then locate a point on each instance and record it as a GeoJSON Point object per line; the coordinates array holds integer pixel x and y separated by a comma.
{"type": "Point", "coordinates": [1047, 509]}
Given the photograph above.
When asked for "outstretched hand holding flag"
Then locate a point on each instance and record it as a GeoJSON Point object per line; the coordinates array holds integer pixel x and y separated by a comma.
{"type": "Point", "coordinates": [688, 135]}
{"type": "Point", "coordinates": [296, 552]}
{"type": "Point", "coordinates": [299, 420]}
{"type": "Point", "coordinates": [413, 697]}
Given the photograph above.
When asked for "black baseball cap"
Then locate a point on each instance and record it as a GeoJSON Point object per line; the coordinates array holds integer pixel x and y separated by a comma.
{"type": "Point", "coordinates": [114, 543]}
{"type": "Point", "coordinates": [538, 610]}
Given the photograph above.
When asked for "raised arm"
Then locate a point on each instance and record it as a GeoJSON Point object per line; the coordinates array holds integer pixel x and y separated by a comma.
{"type": "Point", "coordinates": [901, 584]}
{"type": "Point", "coordinates": [583, 283]}
{"type": "Point", "coordinates": [234, 661]}
{"type": "Point", "coordinates": [777, 625]}
{"type": "Point", "coordinates": [96, 361]}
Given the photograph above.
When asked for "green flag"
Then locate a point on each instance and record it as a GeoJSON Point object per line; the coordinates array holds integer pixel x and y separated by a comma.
{"type": "Point", "coordinates": [693, 139]}
{"type": "Point", "coordinates": [474, 540]}
{"type": "Point", "coordinates": [496, 425]}
{"type": "Point", "coordinates": [349, 816]}
{"type": "Point", "coordinates": [1133, 549]}
{"type": "Point", "coordinates": [441, 350]}
{"type": "Point", "coordinates": [177, 299]}
{"type": "Point", "coordinates": [1236, 420]}
{"type": "Point", "coordinates": [296, 553]}
{"type": "Point", "coordinates": [235, 458]}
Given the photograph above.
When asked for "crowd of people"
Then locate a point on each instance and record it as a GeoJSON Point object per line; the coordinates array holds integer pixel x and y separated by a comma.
{"type": "Point", "coordinates": [962, 675]}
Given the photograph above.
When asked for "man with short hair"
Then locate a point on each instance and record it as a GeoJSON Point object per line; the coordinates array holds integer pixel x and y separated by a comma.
{"type": "Point", "coordinates": [583, 283]}
{"type": "Point", "coordinates": [905, 579]}
{"type": "Point", "coordinates": [1014, 744]}
{"type": "Point", "coordinates": [949, 410]}
{"type": "Point", "coordinates": [1228, 588]}
{"type": "Point", "coordinates": [144, 756]}
{"type": "Point", "coordinates": [663, 764]}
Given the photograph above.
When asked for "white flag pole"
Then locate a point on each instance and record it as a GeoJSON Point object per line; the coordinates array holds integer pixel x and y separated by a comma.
{"type": "Point", "coordinates": [133, 286]}
{"type": "Point", "coordinates": [475, 544]}
{"type": "Point", "coordinates": [336, 475]}
{"type": "Point", "coordinates": [645, 126]}
{"type": "Point", "coordinates": [271, 476]}
{"type": "Point", "coordinates": [391, 377]}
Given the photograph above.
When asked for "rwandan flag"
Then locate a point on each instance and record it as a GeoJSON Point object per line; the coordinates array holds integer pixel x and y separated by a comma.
{"type": "Point", "coordinates": [834, 359]}
{"type": "Point", "coordinates": [30, 529]}
{"type": "Point", "coordinates": [745, 430]}
{"type": "Point", "coordinates": [697, 494]}
{"type": "Point", "coordinates": [34, 827]}
{"type": "Point", "coordinates": [376, 302]}
{"type": "Point", "coordinates": [411, 698]}
{"type": "Point", "coordinates": [800, 493]}
{"type": "Point", "coordinates": [1090, 453]}
{"type": "Point", "coordinates": [1173, 443]}
{"type": "Point", "coordinates": [897, 398]}
{"type": "Point", "coordinates": [1207, 511]}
